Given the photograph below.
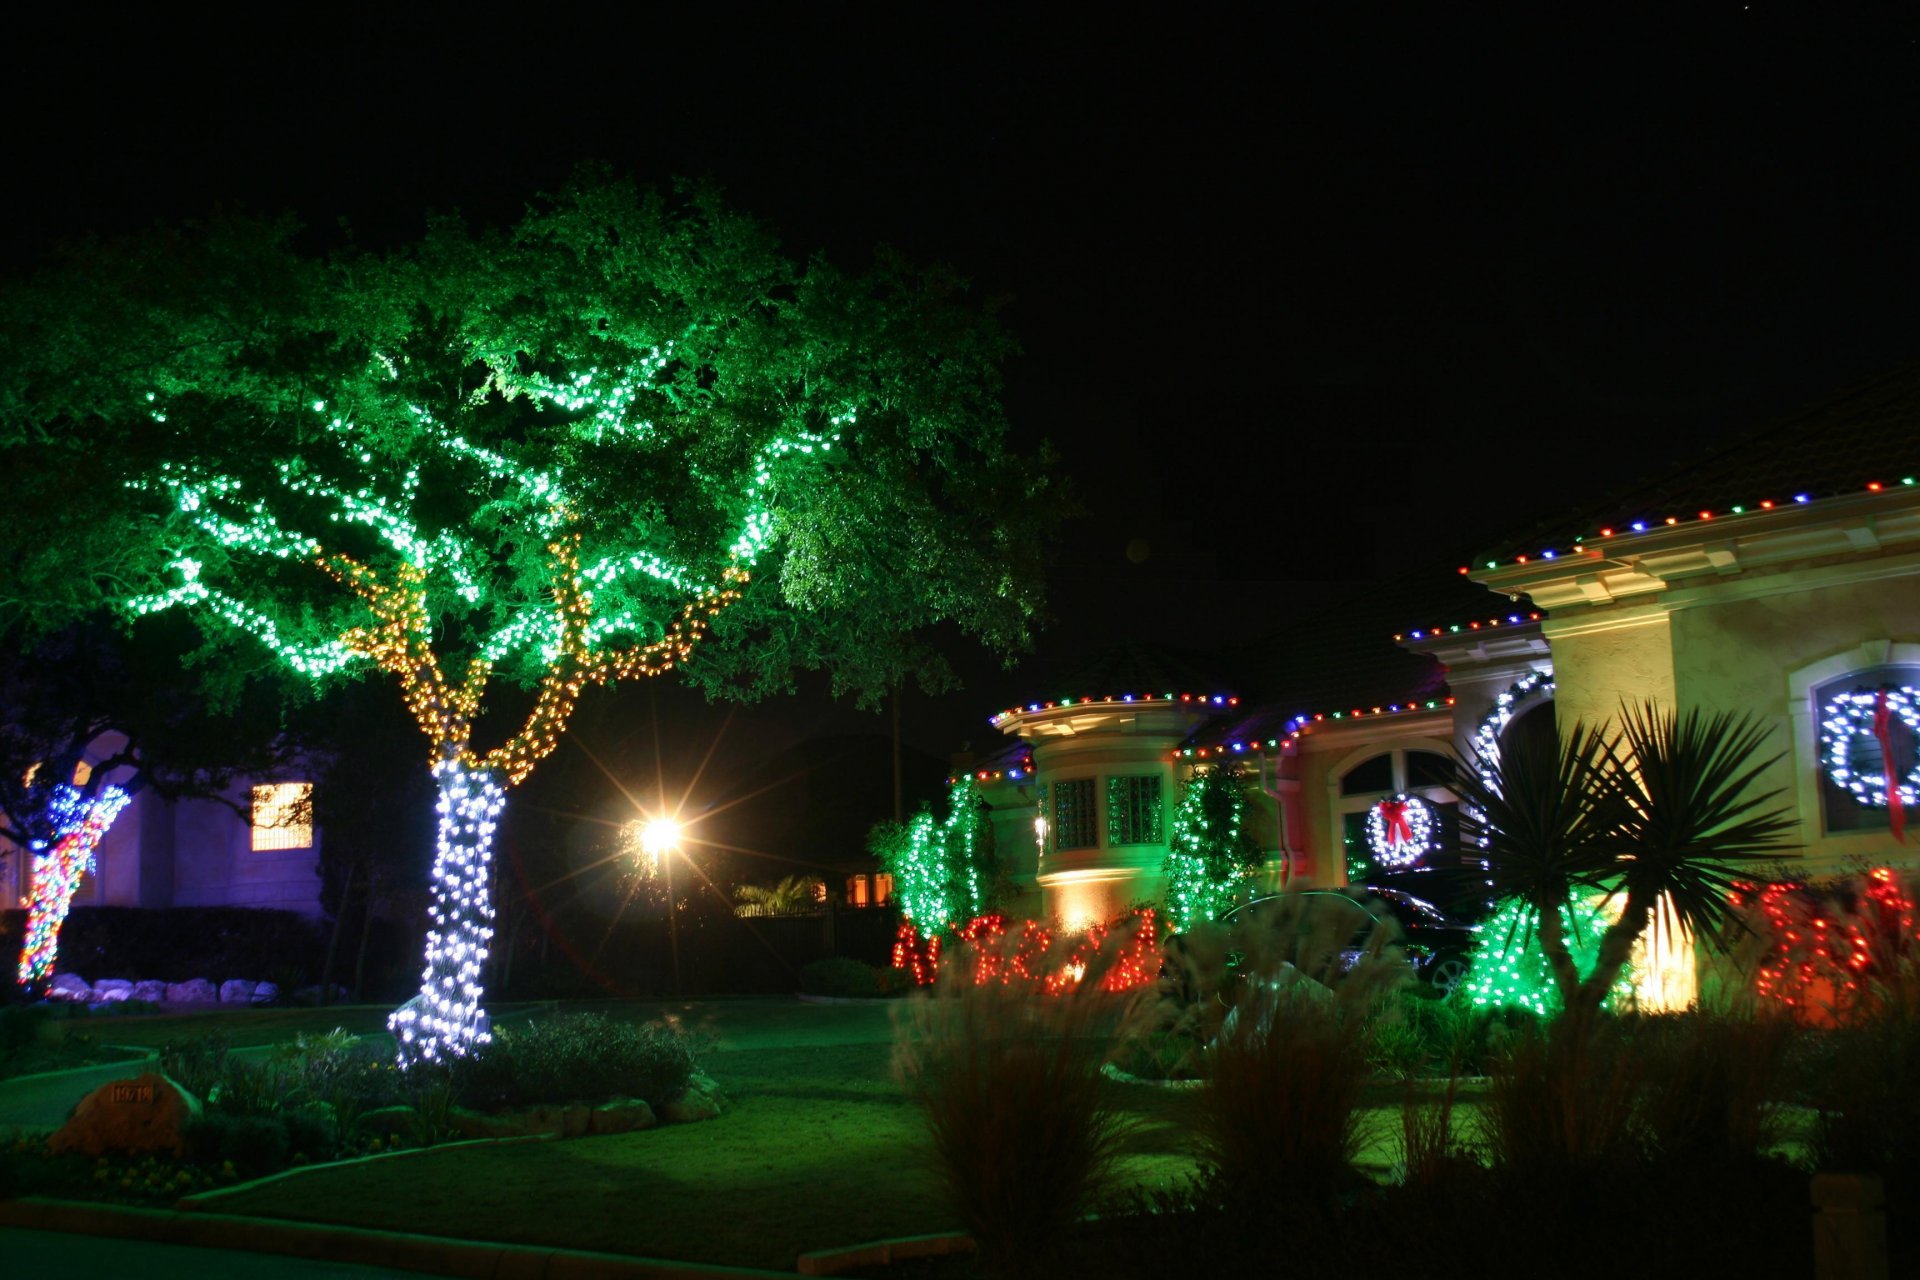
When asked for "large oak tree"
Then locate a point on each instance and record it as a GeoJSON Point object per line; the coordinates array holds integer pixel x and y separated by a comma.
{"type": "Point", "coordinates": [536, 459]}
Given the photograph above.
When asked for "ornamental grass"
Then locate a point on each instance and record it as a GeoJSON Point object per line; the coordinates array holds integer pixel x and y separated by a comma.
{"type": "Point", "coordinates": [1025, 1130]}
{"type": "Point", "coordinates": [1279, 1114]}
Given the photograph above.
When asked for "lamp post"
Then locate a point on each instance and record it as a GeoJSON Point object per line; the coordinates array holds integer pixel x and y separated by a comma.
{"type": "Point", "coordinates": [660, 840]}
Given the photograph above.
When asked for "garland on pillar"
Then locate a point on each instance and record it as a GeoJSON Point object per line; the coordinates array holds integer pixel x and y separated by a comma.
{"type": "Point", "coordinates": [1210, 855]}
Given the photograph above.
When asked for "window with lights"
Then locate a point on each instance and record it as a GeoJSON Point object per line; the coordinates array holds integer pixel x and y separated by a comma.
{"type": "Point", "coordinates": [1396, 811]}
{"type": "Point", "coordinates": [282, 816]}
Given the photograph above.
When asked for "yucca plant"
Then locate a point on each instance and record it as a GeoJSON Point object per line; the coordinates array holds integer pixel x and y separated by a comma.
{"type": "Point", "coordinates": [1664, 807]}
{"type": "Point", "coordinates": [1686, 820]}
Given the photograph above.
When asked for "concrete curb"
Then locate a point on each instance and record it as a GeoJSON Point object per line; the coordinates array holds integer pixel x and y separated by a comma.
{"type": "Point", "coordinates": [403, 1251]}
{"type": "Point", "coordinates": [875, 1253]}
{"type": "Point", "coordinates": [145, 1055]}
{"type": "Point", "coordinates": [199, 1199]}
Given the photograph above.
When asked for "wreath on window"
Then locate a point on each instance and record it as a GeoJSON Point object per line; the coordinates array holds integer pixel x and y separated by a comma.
{"type": "Point", "coordinates": [1399, 830]}
{"type": "Point", "coordinates": [1869, 714]}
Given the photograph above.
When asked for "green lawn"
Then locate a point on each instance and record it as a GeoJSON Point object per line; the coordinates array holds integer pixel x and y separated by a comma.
{"type": "Point", "coordinates": [820, 1147]}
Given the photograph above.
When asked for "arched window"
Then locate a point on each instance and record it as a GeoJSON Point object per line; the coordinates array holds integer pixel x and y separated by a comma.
{"type": "Point", "coordinates": [1865, 722]}
{"type": "Point", "coordinates": [1426, 775]}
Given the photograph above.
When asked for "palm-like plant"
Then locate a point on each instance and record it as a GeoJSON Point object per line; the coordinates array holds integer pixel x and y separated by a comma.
{"type": "Point", "coordinates": [1687, 816]}
{"type": "Point", "coordinates": [1664, 807]}
{"type": "Point", "coordinates": [792, 896]}
{"type": "Point", "coordinates": [1543, 814]}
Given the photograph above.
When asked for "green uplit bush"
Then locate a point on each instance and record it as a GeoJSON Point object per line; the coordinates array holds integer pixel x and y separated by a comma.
{"type": "Point", "coordinates": [583, 1057]}
{"type": "Point", "coordinates": [847, 979]}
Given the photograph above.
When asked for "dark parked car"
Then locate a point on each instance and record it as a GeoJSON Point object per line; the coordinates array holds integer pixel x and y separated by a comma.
{"type": "Point", "coordinates": [1438, 940]}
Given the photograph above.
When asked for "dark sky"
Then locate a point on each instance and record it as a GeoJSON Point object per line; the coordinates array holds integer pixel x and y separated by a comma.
{"type": "Point", "coordinates": [1304, 306]}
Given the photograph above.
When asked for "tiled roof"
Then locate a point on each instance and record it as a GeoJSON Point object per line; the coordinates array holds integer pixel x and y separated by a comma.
{"type": "Point", "coordinates": [1868, 435]}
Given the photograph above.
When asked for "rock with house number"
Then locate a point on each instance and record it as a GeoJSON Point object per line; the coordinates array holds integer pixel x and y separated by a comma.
{"type": "Point", "coordinates": [144, 1113]}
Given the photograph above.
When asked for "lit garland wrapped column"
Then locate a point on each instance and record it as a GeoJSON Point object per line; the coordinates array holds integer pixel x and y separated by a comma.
{"type": "Point", "coordinates": [80, 825]}
{"type": "Point", "coordinates": [445, 1020]}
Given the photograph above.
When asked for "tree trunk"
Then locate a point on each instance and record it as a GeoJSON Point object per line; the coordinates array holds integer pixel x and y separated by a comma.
{"type": "Point", "coordinates": [1552, 932]}
{"type": "Point", "coordinates": [899, 806]}
{"type": "Point", "coordinates": [1616, 948]}
{"type": "Point", "coordinates": [445, 1020]}
{"type": "Point", "coordinates": [333, 938]}
{"type": "Point", "coordinates": [56, 874]}
{"type": "Point", "coordinates": [372, 900]}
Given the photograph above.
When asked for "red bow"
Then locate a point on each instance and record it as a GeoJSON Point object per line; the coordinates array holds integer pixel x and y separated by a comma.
{"type": "Point", "coordinates": [1393, 817]}
{"type": "Point", "coordinates": [1883, 730]}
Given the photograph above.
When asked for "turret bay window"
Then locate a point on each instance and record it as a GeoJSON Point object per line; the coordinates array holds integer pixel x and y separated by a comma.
{"type": "Point", "coordinates": [1074, 821]}
{"type": "Point", "coordinates": [1133, 810]}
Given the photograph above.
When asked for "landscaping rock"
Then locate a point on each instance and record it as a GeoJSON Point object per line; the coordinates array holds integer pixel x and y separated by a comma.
{"type": "Point", "coordinates": [384, 1121]}
{"type": "Point", "coordinates": [146, 1113]}
{"type": "Point", "coordinates": [193, 991]}
{"type": "Point", "coordinates": [317, 994]}
{"type": "Point", "coordinates": [150, 991]}
{"type": "Point", "coordinates": [264, 993]}
{"type": "Point", "coordinates": [478, 1124]}
{"type": "Point", "coordinates": [69, 986]}
{"type": "Point", "coordinates": [695, 1104]}
{"type": "Point", "coordinates": [108, 990]}
{"type": "Point", "coordinates": [622, 1115]}
{"type": "Point", "coordinates": [237, 991]}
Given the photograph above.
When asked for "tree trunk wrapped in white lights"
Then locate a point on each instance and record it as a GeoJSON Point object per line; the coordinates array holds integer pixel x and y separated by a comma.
{"type": "Point", "coordinates": [446, 1019]}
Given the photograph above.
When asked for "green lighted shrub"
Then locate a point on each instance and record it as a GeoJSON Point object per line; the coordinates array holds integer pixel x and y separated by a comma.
{"type": "Point", "coordinates": [848, 979]}
{"type": "Point", "coordinates": [581, 1057]}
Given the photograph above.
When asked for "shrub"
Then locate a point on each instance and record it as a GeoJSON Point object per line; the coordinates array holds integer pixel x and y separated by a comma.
{"type": "Point", "coordinates": [1562, 1100]}
{"type": "Point", "coordinates": [582, 1057]}
{"type": "Point", "coordinates": [1280, 1112]}
{"type": "Point", "coordinates": [1023, 1129]}
{"type": "Point", "coordinates": [844, 978]}
{"type": "Point", "coordinates": [1710, 1082]}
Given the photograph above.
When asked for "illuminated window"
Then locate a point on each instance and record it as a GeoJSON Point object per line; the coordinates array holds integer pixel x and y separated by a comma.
{"type": "Point", "coordinates": [1426, 774]}
{"type": "Point", "coordinates": [1861, 749]}
{"type": "Point", "coordinates": [1133, 810]}
{"type": "Point", "coordinates": [882, 889]}
{"type": "Point", "coordinates": [283, 816]}
{"type": "Point", "coordinates": [1073, 818]}
{"type": "Point", "coordinates": [82, 774]}
{"type": "Point", "coordinates": [857, 891]}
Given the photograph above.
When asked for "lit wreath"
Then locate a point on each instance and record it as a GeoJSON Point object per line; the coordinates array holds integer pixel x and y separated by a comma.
{"type": "Point", "coordinates": [1399, 830]}
{"type": "Point", "coordinates": [1852, 715]}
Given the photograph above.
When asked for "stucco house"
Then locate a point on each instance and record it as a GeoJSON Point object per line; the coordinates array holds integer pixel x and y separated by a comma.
{"type": "Point", "coordinates": [255, 847]}
{"type": "Point", "coordinates": [1779, 575]}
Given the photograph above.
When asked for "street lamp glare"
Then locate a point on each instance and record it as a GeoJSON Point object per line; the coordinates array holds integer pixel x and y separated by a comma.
{"type": "Point", "coordinates": [661, 835]}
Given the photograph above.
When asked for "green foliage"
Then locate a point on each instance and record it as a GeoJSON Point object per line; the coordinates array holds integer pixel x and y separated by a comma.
{"type": "Point", "coordinates": [1210, 854]}
{"type": "Point", "coordinates": [632, 352]}
{"type": "Point", "coordinates": [943, 870]}
{"type": "Point", "coordinates": [845, 978]}
{"type": "Point", "coordinates": [790, 896]}
{"type": "Point", "coordinates": [582, 1057]}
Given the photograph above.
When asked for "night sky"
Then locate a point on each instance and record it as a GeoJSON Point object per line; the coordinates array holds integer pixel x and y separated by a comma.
{"type": "Point", "coordinates": [1303, 307]}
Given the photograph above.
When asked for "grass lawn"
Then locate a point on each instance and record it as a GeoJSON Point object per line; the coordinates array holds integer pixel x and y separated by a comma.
{"type": "Point", "coordinates": [819, 1147]}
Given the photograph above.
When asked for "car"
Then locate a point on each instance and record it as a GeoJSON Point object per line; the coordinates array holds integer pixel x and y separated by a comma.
{"type": "Point", "coordinates": [1438, 941]}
